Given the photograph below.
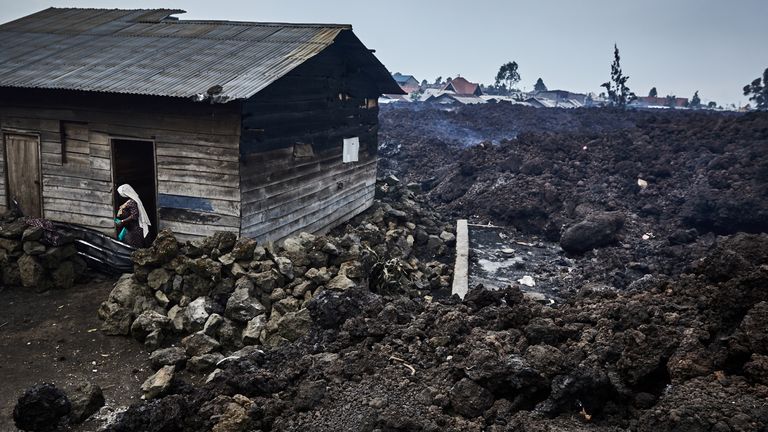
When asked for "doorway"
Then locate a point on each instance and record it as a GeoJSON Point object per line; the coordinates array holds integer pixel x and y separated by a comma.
{"type": "Point", "coordinates": [133, 163]}
{"type": "Point", "coordinates": [22, 167]}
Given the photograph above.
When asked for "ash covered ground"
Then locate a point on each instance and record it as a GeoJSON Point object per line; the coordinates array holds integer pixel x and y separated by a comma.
{"type": "Point", "coordinates": [660, 323]}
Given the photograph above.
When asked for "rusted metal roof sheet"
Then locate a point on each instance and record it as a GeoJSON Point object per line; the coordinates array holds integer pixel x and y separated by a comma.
{"type": "Point", "coordinates": [151, 53]}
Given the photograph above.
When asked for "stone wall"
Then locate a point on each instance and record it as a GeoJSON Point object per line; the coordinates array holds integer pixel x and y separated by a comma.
{"type": "Point", "coordinates": [30, 259]}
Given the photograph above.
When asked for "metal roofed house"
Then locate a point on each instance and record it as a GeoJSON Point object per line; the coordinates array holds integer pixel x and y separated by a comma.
{"type": "Point", "coordinates": [264, 129]}
{"type": "Point", "coordinates": [461, 86]}
{"type": "Point", "coordinates": [408, 83]}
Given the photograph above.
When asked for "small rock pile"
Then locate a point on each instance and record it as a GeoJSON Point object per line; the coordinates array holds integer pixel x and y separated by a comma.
{"type": "Point", "coordinates": [223, 295]}
{"type": "Point", "coordinates": [29, 259]}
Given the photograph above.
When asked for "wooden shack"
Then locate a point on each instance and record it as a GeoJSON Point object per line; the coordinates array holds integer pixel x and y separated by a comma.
{"type": "Point", "coordinates": [263, 129]}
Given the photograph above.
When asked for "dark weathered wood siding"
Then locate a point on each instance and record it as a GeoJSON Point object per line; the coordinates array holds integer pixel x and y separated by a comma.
{"type": "Point", "coordinates": [292, 175]}
{"type": "Point", "coordinates": [198, 184]}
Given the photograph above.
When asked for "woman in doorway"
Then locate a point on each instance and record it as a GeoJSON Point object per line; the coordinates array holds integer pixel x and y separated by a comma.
{"type": "Point", "coordinates": [132, 216]}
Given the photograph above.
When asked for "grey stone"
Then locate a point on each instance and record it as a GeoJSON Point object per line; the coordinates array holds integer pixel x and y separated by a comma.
{"type": "Point", "coordinates": [86, 399]}
{"type": "Point", "coordinates": [158, 278]}
{"type": "Point", "coordinates": [158, 383]}
{"type": "Point", "coordinates": [154, 339]}
{"type": "Point", "coordinates": [55, 255]}
{"type": "Point", "coordinates": [32, 234]}
{"type": "Point", "coordinates": [162, 299]}
{"type": "Point", "coordinates": [33, 248]}
{"type": "Point", "coordinates": [285, 267]}
{"type": "Point", "coordinates": [117, 319]}
{"type": "Point", "coordinates": [597, 230]}
{"type": "Point", "coordinates": [352, 269]}
{"type": "Point", "coordinates": [300, 289]}
{"type": "Point", "coordinates": [125, 291]}
{"type": "Point", "coordinates": [178, 316]}
{"type": "Point", "coordinates": [252, 332]}
{"type": "Point", "coordinates": [200, 343]}
{"type": "Point", "coordinates": [331, 249]}
{"type": "Point", "coordinates": [340, 283]}
{"type": "Point", "coordinates": [293, 245]}
{"type": "Point", "coordinates": [242, 307]}
{"type": "Point", "coordinates": [13, 230]}
{"type": "Point", "coordinates": [32, 274]}
{"type": "Point", "coordinates": [294, 325]}
{"type": "Point", "coordinates": [12, 246]}
{"type": "Point", "coordinates": [448, 238]}
{"type": "Point", "coordinates": [148, 322]}
{"type": "Point", "coordinates": [227, 259]}
{"type": "Point", "coordinates": [259, 253]}
{"type": "Point", "coordinates": [289, 304]}
{"type": "Point", "coordinates": [198, 311]}
{"type": "Point", "coordinates": [213, 324]}
{"type": "Point", "coordinates": [266, 281]}
{"type": "Point", "coordinates": [174, 356]}
{"type": "Point", "coordinates": [204, 363]}
{"type": "Point", "coordinates": [243, 249]}
{"type": "Point", "coordinates": [318, 276]}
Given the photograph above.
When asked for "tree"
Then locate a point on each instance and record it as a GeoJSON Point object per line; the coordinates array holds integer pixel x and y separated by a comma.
{"type": "Point", "coordinates": [618, 92]}
{"type": "Point", "coordinates": [712, 105]}
{"type": "Point", "coordinates": [539, 86]}
{"type": "Point", "coordinates": [653, 92]}
{"type": "Point", "coordinates": [757, 92]}
{"type": "Point", "coordinates": [671, 101]}
{"type": "Point", "coordinates": [438, 80]}
{"type": "Point", "coordinates": [509, 74]}
{"type": "Point", "coordinates": [695, 101]}
{"type": "Point", "coordinates": [424, 83]}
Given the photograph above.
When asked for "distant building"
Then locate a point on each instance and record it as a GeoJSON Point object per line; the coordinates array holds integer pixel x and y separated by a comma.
{"type": "Point", "coordinates": [461, 86]}
{"type": "Point", "coordinates": [451, 98]}
{"type": "Point", "coordinates": [408, 83]}
{"type": "Point", "coordinates": [659, 102]}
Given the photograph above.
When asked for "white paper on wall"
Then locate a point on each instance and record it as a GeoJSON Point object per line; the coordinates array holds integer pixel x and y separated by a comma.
{"type": "Point", "coordinates": [351, 149]}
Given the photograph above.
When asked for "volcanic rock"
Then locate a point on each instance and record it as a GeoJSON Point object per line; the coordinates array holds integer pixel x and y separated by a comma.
{"type": "Point", "coordinates": [86, 400]}
{"type": "Point", "coordinates": [158, 383]}
{"type": "Point", "coordinates": [599, 229]}
{"type": "Point", "coordinates": [41, 408]}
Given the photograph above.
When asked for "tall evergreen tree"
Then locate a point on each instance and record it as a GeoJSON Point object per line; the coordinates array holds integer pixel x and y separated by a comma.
{"type": "Point", "coordinates": [653, 92]}
{"type": "Point", "coordinates": [758, 92]}
{"type": "Point", "coordinates": [618, 91]}
{"type": "Point", "coordinates": [539, 86]}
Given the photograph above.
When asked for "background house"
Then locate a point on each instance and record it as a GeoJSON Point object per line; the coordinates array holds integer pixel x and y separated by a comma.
{"type": "Point", "coordinates": [258, 128]}
{"type": "Point", "coordinates": [461, 86]}
{"type": "Point", "coordinates": [407, 83]}
{"type": "Point", "coordinates": [659, 102]}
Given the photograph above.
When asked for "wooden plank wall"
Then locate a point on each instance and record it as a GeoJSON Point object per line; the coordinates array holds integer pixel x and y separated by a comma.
{"type": "Point", "coordinates": [3, 188]}
{"type": "Point", "coordinates": [198, 187]}
{"type": "Point", "coordinates": [292, 175]}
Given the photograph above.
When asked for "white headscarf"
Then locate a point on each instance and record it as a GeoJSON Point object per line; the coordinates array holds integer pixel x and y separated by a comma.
{"type": "Point", "coordinates": [126, 191]}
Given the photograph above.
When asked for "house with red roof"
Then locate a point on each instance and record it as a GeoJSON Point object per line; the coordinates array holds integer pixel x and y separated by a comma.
{"type": "Point", "coordinates": [461, 86]}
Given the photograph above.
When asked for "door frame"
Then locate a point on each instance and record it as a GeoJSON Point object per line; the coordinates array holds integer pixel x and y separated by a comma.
{"type": "Point", "coordinates": [36, 134]}
{"type": "Point", "coordinates": [112, 139]}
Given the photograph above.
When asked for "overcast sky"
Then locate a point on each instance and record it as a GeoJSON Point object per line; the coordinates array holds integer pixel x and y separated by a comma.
{"type": "Point", "coordinates": [679, 46]}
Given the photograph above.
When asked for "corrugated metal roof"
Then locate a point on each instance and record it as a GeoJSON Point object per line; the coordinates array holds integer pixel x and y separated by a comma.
{"type": "Point", "coordinates": [149, 52]}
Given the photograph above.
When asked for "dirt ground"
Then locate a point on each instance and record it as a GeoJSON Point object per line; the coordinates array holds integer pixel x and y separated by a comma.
{"type": "Point", "coordinates": [53, 337]}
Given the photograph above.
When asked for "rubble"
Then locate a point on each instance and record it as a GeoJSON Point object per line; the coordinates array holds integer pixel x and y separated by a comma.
{"type": "Point", "coordinates": [28, 258]}
{"type": "Point", "coordinates": [681, 350]}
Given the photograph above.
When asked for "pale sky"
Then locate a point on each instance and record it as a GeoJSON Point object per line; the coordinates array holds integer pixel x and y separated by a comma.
{"type": "Point", "coordinates": [679, 46]}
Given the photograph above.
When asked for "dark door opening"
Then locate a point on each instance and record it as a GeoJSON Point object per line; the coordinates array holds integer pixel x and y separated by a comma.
{"type": "Point", "coordinates": [133, 163]}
